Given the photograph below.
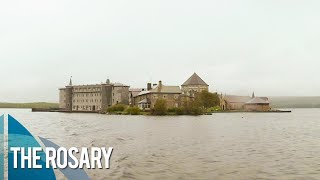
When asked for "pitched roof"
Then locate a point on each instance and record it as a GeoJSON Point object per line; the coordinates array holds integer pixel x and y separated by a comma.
{"type": "Point", "coordinates": [163, 89]}
{"type": "Point", "coordinates": [265, 98]}
{"type": "Point", "coordinates": [143, 101]}
{"type": "Point", "coordinates": [119, 85]}
{"type": "Point", "coordinates": [166, 89]}
{"type": "Point", "coordinates": [136, 89]}
{"type": "Point", "coordinates": [237, 99]}
{"type": "Point", "coordinates": [194, 80]}
{"type": "Point", "coordinates": [257, 100]}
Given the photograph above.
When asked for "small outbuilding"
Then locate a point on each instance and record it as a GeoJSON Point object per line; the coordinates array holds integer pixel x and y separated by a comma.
{"type": "Point", "coordinates": [257, 104]}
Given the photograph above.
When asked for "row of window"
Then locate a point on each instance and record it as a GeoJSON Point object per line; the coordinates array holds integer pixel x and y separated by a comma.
{"type": "Point", "coordinates": [144, 106]}
{"type": "Point", "coordinates": [86, 89]}
{"type": "Point", "coordinates": [86, 108]}
{"type": "Point", "coordinates": [87, 100]}
{"type": "Point", "coordinates": [86, 95]}
{"type": "Point", "coordinates": [165, 96]}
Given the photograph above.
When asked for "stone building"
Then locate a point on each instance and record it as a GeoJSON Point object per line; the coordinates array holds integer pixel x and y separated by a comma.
{"type": "Point", "coordinates": [194, 85]}
{"type": "Point", "coordinates": [244, 103]}
{"type": "Point", "coordinates": [257, 104]}
{"type": "Point", "coordinates": [94, 97]}
{"type": "Point", "coordinates": [133, 92]}
{"type": "Point", "coordinates": [147, 99]}
{"type": "Point", "coordinates": [232, 102]}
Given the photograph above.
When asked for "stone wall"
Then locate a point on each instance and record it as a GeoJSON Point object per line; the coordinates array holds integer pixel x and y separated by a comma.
{"type": "Point", "coordinates": [69, 98]}
{"type": "Point", "coordinates": [172, 99]}
{"type": "Point", "coordinates": [257, 107]}
{"type": "Point", "coordinates": [120, 95]}
{"type": "Point", "coordinates": [191, 89]}
{"type": "Point", "coordinates": [62, 98]}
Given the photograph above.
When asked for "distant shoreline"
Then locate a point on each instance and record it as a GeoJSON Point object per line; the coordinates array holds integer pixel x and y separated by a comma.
{"type": "Point", "coordinates": [48, 105]}
{"type": "Point", "coordinates": [277, 102]}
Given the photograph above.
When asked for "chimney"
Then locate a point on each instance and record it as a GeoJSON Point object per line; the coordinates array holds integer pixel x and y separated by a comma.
{"type": "Point", "coordinates": [149, 86]}
{"type": "Point", "coordinates": [160, 86]}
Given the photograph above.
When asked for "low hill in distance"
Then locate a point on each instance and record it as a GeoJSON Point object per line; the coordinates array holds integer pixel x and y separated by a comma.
{"type": "Point", "coordinates": [295, 102]}
{"type": "Point", "coordinates": [45, 105]}
{"type": "Point", "coordinates": [276, 102]}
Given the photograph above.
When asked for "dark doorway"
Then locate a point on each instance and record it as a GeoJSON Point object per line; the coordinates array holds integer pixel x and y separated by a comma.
{"type": "Point", "coordinates": [93, 108]}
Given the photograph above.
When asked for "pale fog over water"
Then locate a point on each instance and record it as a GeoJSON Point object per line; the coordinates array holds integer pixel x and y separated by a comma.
{"type": "Point", "coordinates": [221, 146]}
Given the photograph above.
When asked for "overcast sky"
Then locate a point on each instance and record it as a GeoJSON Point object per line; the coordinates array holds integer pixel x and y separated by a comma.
{"type": "Point", "coordinates": [271, 47]}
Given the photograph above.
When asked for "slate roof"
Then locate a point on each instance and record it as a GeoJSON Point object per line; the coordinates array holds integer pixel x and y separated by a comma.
{"type": "Point", "coordinates": [194, 80]}
{"type": "Point", "coordinates": [167, 89]}
{"type": "Point", "coordinates": [135, 91]}
{"type": "Point", "coordinates": [119, 84]}
{"type": "Point", "coordinates": [164, 89]}
{"type": "Point", "coordinates": [257, 100]}
{"type": "Point", "coordinates": [237, 99]}
{"type": "Point", "coordinates": [264, 98]}
{"type": "Point", "coordinates": [143, 101]}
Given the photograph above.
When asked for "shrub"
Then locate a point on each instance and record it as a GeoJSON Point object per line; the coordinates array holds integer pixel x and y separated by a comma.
{"type": "Point", "coordinates": [171, 110]}
{"type": "Point", "coordinates": [160, 107]}
{"type": "Point", "coordinates": [116, 108]}
{"type": "Point", "coordinates": [215, 108]}
{"type": "Point", "coordinates": [193, 108]}
{"type": "Point", "coordinates": [133, 110]}
{"type": "Point", "coordinates": [176, 111]}
{"type": "Point", "coordinates": [207, 99]}
{"type": "Point", "coordinates": [196, 110]}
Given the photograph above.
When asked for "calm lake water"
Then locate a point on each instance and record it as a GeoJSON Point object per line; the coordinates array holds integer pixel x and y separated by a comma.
{"type": "Point", "coordinates": [221, 146]}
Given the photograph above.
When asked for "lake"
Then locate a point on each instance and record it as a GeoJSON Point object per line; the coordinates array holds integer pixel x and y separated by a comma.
{"type": "Point", "coordinates": [220, 146]}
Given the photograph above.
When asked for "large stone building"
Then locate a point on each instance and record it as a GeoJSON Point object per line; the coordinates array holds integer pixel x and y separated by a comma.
{"type": "Point", "coordinates": [94, 97]}
{"type": "Point", "coordinates": [194, 85]}
{"type": "Point", "coordinates": [174, 96]}
{"type": "Point", "coordinates": [147, 99]}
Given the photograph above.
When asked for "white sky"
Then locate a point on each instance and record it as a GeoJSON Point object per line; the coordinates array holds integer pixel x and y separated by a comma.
{"type": "Point", "coordinates": [237, 46]}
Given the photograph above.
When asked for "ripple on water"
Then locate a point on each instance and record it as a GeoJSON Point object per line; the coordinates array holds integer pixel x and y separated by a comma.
{"type": "Point", "coordinates": [222, 146]}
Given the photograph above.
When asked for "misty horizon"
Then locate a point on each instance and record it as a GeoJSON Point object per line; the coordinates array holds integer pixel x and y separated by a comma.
{"type": "Point", "coordinates": [269, 47]}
